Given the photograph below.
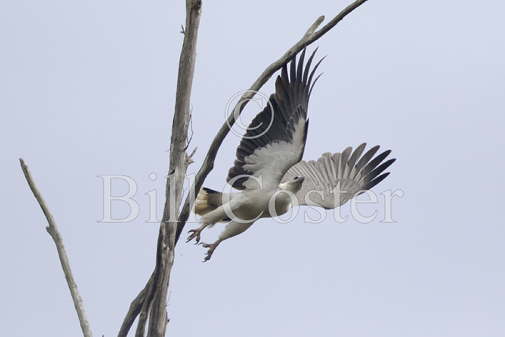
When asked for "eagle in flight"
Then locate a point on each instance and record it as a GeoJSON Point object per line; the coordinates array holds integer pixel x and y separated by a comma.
{"type": "Point", "coordinates": [269, 170]}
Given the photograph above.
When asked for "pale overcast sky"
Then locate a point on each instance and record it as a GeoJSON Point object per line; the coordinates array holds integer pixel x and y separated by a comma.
{"type": "Point", "coordinates": [87, 89]}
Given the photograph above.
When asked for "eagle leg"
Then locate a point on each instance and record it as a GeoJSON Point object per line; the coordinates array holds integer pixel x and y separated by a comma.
{"type": "Point", "coordinates": [231, 230]}
{"type": "Point", "coordinates": [210, 249]}
{"type": "Point", "coordinates": [195, 233]}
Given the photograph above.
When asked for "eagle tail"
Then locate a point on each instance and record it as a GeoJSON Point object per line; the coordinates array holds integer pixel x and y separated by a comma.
{"type": "Point", "coordinates": [207, 200]}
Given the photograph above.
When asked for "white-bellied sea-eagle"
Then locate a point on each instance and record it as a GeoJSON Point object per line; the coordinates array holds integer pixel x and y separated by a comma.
{"type": "Point", "coordinates": [269, 170]}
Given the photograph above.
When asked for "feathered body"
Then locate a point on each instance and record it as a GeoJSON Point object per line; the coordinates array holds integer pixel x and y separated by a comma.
{"type": "Point", "coordinates": [245, 206]}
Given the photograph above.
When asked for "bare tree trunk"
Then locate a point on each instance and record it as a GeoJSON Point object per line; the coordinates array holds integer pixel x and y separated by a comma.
{"type": "Point", "coordinates": [154, 307]}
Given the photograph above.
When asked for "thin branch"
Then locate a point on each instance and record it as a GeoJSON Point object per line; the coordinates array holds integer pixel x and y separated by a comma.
{"type": "Point", "coordinates": [52, 229]}
{"type": "Point", "coordinates": [335, 20]}
{"type": "Point", "coordinates": [135, 308]}
{"type": "Point", "coordinates": [208, 164]}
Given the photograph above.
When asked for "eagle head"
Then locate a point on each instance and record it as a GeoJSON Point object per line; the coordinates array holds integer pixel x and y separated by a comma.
{"type": "Point", "coordinates": [293, 185]}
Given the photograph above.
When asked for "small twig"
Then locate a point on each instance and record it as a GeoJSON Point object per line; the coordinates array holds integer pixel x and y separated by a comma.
{"type": "Point", "coordinates": [52, 229]}
{"type": "Point", "coordinates": [182, 30]}
{"type": "Point", "coordinates": [314, 26]}
{"type": "Point", "coordinates": [189, 157]}
{"type": "Point", "coordinates": [193, 152]}
{"type": "Point", "coordinates": [191, 132]}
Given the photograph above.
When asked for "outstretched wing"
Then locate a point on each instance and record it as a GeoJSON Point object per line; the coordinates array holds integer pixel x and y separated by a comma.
{"type": "Point", "coordinates": [275, 139]}
{"type": "Point", "coordinates": [336, 178]}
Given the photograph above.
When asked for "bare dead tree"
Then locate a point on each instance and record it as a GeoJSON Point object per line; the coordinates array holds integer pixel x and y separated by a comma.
{"type": "Point", "coordinates": [139, 303]}
{"type": "Point", "coordinates": [150, 304]}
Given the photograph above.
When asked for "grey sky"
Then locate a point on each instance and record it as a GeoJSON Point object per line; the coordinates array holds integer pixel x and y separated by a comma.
{"type": "Point", "coordinates": [87, 89]}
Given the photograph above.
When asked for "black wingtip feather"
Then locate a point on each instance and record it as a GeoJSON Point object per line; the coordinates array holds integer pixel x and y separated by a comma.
{"type": "Point", "coordinates": [292, 69]}
{"type": "Point", "coordinates": [379, 169]}
{"type": "Point", "coordinates": [299, 71]}
{"type": "Point", "coordinates": [375, 181]}
{"type": "Point", "coordinates": [366, 157]}
{"type": "Point", "coordinates": [314, 83]}
{"type": "Point", "coordinates": [376, 161]}
{"type": "Point", "coordinates": [307, 67]}
{"type": "Point", "coordinates": [313, 72]}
